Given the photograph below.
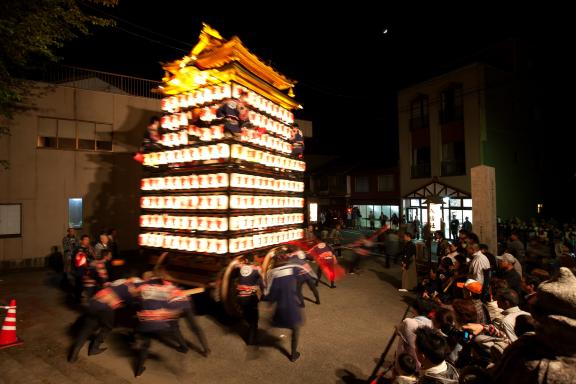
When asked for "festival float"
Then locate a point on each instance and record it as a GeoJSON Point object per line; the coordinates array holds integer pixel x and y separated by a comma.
{"type": "Point", "coordinates": [225, 178]}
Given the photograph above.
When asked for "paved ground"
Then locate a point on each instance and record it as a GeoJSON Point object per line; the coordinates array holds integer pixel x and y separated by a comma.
{"type": "Point", "coordinates": [340, 340]}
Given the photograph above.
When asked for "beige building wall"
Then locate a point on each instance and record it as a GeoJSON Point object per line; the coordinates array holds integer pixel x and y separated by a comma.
{"type": "Point", "coordinates": [43, 179]}
{"type": "Point", "coordinates": [471, 77]}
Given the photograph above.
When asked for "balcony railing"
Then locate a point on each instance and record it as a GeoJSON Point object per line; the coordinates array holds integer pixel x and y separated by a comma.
{"type": "Point", "coordinates": [420, 171]}
{"type": "Point", "coordinates": [453, 168]}
{"type": "Point", "coordinates": [93, 80]}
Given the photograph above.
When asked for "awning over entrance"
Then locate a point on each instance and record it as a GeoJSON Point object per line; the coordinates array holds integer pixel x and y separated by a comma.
{"type": "Point", "coordinates": [437, 189]}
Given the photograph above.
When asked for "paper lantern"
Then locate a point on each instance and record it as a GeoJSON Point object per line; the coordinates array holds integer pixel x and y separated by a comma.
{"type": "Point", "coordinates": [192, 244]}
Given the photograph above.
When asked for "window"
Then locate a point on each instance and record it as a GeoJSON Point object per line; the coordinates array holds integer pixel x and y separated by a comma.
{"type": "Point", "coordinates": [337, 182]}
{"type": "Point", "coordinates": [361, 184]}
{"type": "Point", "coordinates": [10, 220]}
{"type": "Point", "coordinates": [385, 183]}
{"type": "Point", "coordinates": [313, 212]}
{"type": "Point", "coordinates": [419, 113]}
{"type": "Point", "coordinates": [453, 159]}
{"type": "Point", "coordinates": [421, 162]}
{"type": "Point", "coordinates": [451, 107]}
{"type": "Point", "coordinates": [75, 219]}
{"type": "Point", "coordinates": [74, 134]}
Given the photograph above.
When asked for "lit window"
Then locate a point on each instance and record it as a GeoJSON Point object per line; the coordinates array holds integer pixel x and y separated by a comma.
{"type": "Point", "coordinates": [313, 211]}
{"type": "Point", "coordinates": [75, 213]}
{"type": "Point", "coordinates": [10, 220]}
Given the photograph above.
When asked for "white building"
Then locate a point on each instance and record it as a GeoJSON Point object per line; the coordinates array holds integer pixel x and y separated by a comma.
{"type": "Point", "coordinates": [451, 123]}
{"type": "Point", "coordinates": [71, 165]}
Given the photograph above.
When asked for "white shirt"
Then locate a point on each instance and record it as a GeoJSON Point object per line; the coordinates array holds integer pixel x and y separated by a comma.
{"type": "Point", "coordinates": [478, 264]}
{"type": "Point", "coordinates": [508, 322]}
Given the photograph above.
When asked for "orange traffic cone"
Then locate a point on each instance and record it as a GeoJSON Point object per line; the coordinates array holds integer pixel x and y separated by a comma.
{"type": "Point", "coordinates": [8, 336]}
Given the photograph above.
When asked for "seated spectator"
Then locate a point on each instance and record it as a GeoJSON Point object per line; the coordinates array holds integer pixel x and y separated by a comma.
{"type": "Point", "coordinates": [529, 286]}
{"type": "Point", "coordinates": [452, 252]}
{"type": "Point", "coordinates": [474, 374]}
{"type": "Point", "coordinates": [525, 324]}
{"type": "Point", "coordinates": [508, 300]}
{"type": "Point", "coordinates": [431, 349]}
{"type": "Point", "coordinates": [542, 274]}
{"type": "Point", "coordinates": [473, 292]}
{"type": "Point", "coordinates": [407, 328]}
{"type": "Point", "coordinates": [444, 320]}
{"type": "Point", "coordinates": [507, 271]}
{"type": "Point", "coordinates": [549, 355]}
{"type": "Point", "coordinates": [464, 311]}
{"type": "Point", "coordinates": [432, 286]}
{"type": "Point", "coordinates": [406, 370]}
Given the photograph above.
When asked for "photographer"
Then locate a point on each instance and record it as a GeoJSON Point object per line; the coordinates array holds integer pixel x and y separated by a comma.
{"type": "Point", "coordinates": [472, 351]}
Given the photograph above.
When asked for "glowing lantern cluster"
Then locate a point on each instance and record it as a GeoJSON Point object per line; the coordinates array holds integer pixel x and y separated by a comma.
{"type": "Point", "coordinates": [258, 102]}
{"type": "Point", "coordinates": [197, 98]}
{"type": "Point", "coordinates": [246, 243]}
{"type": "Point", "coordinates": [212, 180]}
{"type": "Point", "coordinates": [238, 180]}
{"type": "Point", "coordinates": [215, 132]}
{"type": "Point", "coordinates": [264, 221]}
{"type": "Point", "coordinates": [260, 121]}
{"type": "Point", "coordinates": [175, 139]}
{"type": "Point", "coordinates": [265, 140]}
{"type": "Point", "coordinates": [175, 121]}
{"type": "Point", "coordinates": [259, 202]}
{"type": "Point", "coordinates": [184, 243]}
{"type": "Point", "coordinates": [189, 223]}
{"type": "Point", "coordinates": [219, 180]}
{"type": "Point", "coordinates": [261, 157]}
{"type": "Point", "coordinates": [211, 202]}
{"type": "Point", "coordinates": [186, 155]}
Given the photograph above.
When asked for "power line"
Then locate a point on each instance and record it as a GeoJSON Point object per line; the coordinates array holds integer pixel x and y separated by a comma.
{"type": "Point", "coordinates": [152, 40]}
{"type": "Point", "coordinates": [144, 29]}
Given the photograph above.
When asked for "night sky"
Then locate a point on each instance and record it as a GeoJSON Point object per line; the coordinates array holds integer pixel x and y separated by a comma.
{"type": "Point", "coordinates": [348, 69]}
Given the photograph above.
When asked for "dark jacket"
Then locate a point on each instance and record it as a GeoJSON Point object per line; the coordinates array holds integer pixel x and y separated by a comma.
{"type": "Point", "coordinates": [408, 253]}
{"type": "Point", "coordinates": [282, 290]}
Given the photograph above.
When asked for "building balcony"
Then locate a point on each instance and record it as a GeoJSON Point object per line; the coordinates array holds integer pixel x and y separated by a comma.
{"type": "Point", "coordinates": [420, 171]}
{"type": "Point", "coordinates": [453, 168]}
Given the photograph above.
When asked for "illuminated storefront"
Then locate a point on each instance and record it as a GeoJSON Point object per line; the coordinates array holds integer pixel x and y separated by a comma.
{"type": "Point", "coordinates": [438, 204]}
{"type": "Point", "coordinates": [388, 211]}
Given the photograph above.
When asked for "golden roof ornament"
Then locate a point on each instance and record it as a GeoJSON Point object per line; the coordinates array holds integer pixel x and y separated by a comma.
{"type": "Point", "coordinates": [215, 60]}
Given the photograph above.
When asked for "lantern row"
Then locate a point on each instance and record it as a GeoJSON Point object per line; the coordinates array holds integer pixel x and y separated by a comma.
{"type": "Point", "coordinates": [218, 93]}
{"type": "Point", "coordinates": [251, 155]}
{"type": "Point", "coordinates": [222, 151]}
{"type": "Point", "coordinates": [216, 132]}
{"type": "Point", "coordinates": [220, 202]}
{"type": "Point", "coordinates": [220, 180]}
{"type": "Point", "coordinates": [219, 224]}
{"type": "Point", "coordinates": [217, 246]}
{"type": "Point", "coordinates": [208, 115]}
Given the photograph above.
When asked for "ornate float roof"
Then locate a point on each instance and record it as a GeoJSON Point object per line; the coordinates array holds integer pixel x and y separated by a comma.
{"type": "Point", "coordinates": [216, 60]}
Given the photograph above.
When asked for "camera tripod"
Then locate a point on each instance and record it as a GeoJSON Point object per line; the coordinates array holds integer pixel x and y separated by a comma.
{"type": "Point", "coordinates": [386, 350]}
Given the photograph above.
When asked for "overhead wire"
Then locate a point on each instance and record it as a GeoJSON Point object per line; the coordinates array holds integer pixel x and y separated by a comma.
{"type": "Point", "coordinates": [118, 18]}
{"type": "Point", "coordinates": [155, 41]}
